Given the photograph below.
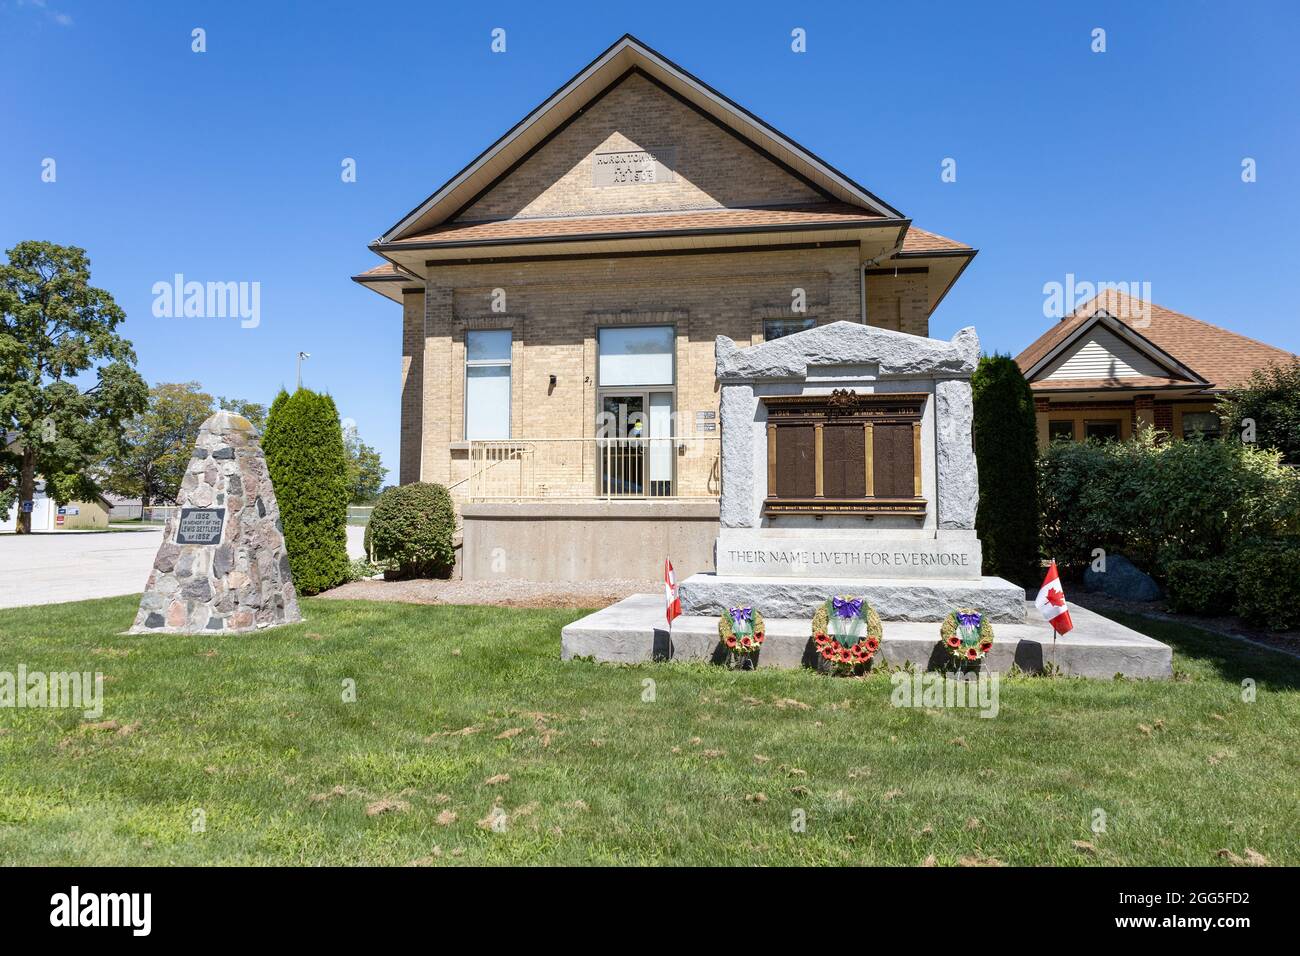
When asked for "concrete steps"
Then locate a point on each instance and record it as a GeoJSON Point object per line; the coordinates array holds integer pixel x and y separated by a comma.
{"type": "Point", "coordinates": [635, 630]}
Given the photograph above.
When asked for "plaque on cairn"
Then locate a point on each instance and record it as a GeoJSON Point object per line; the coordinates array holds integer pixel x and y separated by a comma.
{"type": "Point", "coordinates": [222, 564]}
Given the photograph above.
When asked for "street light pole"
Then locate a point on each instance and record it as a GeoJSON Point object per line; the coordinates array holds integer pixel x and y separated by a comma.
{"type": "Point", "coordinates": [301, 356]}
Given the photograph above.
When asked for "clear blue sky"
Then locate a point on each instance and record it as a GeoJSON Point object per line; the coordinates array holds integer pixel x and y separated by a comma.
{"type": "Point", "coordinates": [224, 166]}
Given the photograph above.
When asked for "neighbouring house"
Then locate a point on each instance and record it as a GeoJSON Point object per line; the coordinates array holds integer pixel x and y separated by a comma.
{"type": "Point", "coordinates": [561, 296]}
{"type": "Point", "coordinates": [48, 514]}
{"type": "Point", "coordinates": [1117, 363]}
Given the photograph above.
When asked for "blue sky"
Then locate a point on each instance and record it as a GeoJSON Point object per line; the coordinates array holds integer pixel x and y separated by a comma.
{"type": "Point", "coordinates": [225, 166]}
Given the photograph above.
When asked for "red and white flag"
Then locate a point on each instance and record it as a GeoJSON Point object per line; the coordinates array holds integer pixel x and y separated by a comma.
{"type": "Point", "coordinates": [1051, 602]}
{"type": "Point", "coordinates": [670, 592]}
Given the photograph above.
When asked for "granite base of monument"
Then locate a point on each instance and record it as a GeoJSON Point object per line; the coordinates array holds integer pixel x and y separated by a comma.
{"type": "Point", "coordinates": [895, 599]}
{"type": "Point", "coordinates": [634, 631]}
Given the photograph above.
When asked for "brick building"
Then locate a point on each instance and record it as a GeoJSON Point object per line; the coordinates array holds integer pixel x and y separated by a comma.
{"type": "Point", "coordinates": [1117, 363]}
{"type": "Point", "coordinates": [561, 296]}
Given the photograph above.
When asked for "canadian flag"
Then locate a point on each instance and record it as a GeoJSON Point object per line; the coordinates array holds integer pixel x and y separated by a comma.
{"type": "Point", "coordinates": [1051, 602]}
{"type": "Point", "coordinates": [670, 592]}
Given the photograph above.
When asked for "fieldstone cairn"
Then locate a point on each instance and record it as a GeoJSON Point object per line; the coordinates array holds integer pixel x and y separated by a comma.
{"type": "Point", "coordinates": [222, 565]}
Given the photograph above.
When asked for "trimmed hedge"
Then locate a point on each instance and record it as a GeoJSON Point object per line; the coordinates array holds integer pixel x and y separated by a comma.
{"type": "Point", "coordinates": [411, 530]}
{"type": "Point", "coordinates": [1202, 587]}
{"type": "Point", "coordinates": [1006, 450]}
{"type": "Point", "coordinates": [304, 454]}
{"type": "Point", "coordinates": [1164, 502]}
{"type": "Point", "coordinates": [1265, 575]}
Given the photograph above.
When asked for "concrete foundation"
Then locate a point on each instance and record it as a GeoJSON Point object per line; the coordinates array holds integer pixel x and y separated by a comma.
{"type": "Point", "coordinates": [635, 630]}
{"type": "Point", "coordinates": [588, 540]}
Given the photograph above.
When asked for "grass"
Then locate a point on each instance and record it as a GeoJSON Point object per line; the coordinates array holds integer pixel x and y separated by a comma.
{"type": "Point", "coordinates": [254, 732]}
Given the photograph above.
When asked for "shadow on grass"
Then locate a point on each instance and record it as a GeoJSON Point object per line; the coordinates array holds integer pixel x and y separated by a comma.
{"type": "Point", "coordinates": [1231, 659]}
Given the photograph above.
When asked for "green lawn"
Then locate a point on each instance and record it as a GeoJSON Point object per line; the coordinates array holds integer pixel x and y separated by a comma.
{"type": "Point", "coordinates": [254, 732]}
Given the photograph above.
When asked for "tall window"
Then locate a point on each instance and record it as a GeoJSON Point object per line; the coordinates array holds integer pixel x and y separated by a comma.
{"type": "Point", "coordinates": [775, 328]}
{"type": "Point", "coordinates": [487, 384]}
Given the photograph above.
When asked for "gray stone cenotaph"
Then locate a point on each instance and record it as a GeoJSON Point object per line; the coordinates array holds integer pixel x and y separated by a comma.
{"type": "Point", "coordinates": [848, 469]}
{"type": "Point", "coordinates": [222, 566]}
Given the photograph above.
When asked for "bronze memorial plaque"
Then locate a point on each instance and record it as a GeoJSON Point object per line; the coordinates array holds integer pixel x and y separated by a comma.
{"type": "Point", "coordinates": [200, 525]}
{"type": "Point", "coordinates": [844, 453]}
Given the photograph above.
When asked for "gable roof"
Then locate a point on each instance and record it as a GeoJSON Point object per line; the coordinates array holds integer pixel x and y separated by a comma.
{"type": "Point", "coordinates": [1194, 352]}
{"type": "Point", "coordinates": [627, 54]}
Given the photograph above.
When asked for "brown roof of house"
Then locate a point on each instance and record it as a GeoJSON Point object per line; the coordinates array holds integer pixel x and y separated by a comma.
{"type": "Point", "coordinates": [1224, 359]}
{"type": "Point", "coordinates": [385, 270]}
{"type": "Point", "coordinates": [579, 227]}
{"type": "Point", "coordinates": [919, 241]}
{"type": "Point", "coordinates": [1099, 384]}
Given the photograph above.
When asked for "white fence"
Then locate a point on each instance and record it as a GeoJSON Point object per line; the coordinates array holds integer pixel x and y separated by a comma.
{"type": "Point", "coordinates": [594, 468]}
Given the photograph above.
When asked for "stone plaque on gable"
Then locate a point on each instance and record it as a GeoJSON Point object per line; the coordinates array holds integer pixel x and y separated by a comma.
{"type": "Point", "coordinates": [633, 166]}
{"type": "Point", "coordinates": [222, 565]}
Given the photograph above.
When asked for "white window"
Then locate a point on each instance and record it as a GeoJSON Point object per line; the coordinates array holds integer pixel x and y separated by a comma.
{"type": "Point", "coordinates": [487, 384]}
{"type": "Point", "coordinates": [636, 355]}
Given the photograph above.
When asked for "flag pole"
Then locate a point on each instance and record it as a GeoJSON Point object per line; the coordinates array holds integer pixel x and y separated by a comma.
{"type": "Point", "coordinates": [1053, 626]}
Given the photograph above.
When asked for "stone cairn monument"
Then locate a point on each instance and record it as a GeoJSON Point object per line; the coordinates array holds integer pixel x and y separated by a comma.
{"type": "Point", "coordinates": [222, 565]}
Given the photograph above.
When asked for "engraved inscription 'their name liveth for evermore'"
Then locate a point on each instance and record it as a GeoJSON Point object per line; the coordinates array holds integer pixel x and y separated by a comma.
{"type": "Point", "coordinates": [889, 559]}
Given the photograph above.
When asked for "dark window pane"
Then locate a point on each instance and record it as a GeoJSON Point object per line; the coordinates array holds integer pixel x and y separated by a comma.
{"type": "Point", "coordinates": [1060, 431]}
{"type": "Point", "coordinates": [1201, 424]}
{"type": "Point", "coordinates": [775, 328]}
{"type": "Point", "coordinates": [1102, 431]}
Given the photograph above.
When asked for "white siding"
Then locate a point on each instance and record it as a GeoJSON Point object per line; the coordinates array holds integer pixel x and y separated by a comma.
{"type": "Point", "coordinates": [1101, 354]}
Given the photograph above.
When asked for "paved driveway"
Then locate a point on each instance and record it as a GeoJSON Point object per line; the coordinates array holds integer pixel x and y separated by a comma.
{"type": "Point", "coordinates": [72, 566]}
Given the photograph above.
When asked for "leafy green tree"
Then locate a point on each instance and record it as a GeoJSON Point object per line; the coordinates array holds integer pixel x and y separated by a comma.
{"type": "Point", "coordinates": [157, 444]}
{"type": "Point", "coordinates": [308, 466]}
{"type": "Point", "coordinates": [366, 469]}
{"type": "Point", "coordinates": [1006, 450]}
{"type": "Point", "coordinates": [1271, 399]}
{"type": "Point", "coordinates": [68, 383]}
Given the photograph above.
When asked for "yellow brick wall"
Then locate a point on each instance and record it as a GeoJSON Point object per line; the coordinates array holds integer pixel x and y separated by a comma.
{"type": "Point", "coordinates": [713, 168]}
{"type": "Point", "coordinates": [554, 308]}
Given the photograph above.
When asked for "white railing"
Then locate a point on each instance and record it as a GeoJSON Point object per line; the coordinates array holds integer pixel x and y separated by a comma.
{"type": "Point", "coordinates": [584, 469]}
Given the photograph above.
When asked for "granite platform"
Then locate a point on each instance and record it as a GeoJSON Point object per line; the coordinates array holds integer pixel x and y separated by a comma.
{"type": "Point", "coordinates": [634, 630]}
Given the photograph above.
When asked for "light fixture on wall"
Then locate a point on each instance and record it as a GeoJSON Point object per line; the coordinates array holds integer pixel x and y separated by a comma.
{"type": "Point", "coordinates": [550, 386]}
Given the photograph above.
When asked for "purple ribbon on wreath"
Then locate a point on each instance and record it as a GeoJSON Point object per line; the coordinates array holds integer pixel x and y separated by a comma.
{"type": "Point", "coordinates": [847, 608]}
{"type": "Point", "coordinates": [740, 615]}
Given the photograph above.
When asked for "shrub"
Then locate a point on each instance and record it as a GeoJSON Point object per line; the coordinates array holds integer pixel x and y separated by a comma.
{"type": "Point", "coordinates": [1264, 572]}
{"type": "Point", "coordinates": [304, 454]}
{"type": "Point", "coordinates": [1270, 399]}
{"type": "Point", "coordinates": [411, 531]}
{"type": "Point", "coordinates": [1160, 502]}
{"type": "Point", "coordinates": [1006, 450]}
{"type": "Point", "coordinates": [1202, 587]}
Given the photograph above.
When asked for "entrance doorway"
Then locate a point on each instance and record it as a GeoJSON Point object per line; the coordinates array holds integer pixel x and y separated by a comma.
{"type": "Point", "coordinates": [635, 445]}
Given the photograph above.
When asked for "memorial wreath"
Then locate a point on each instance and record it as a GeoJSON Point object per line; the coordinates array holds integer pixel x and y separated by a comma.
{"type": "Point", "coordinates": [967, 634]}
{"type": "Point", "coordinates": [847, 632]}
{"type": "Point", "coordinates": [741, 630]}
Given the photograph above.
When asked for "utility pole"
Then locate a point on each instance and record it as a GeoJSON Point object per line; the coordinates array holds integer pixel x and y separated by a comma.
{"type": "Point", "coordinates": [301, 356]}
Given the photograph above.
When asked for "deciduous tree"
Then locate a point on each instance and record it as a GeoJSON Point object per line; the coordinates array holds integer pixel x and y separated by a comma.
{"type": "Point", "coordinates": [68, 383]}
